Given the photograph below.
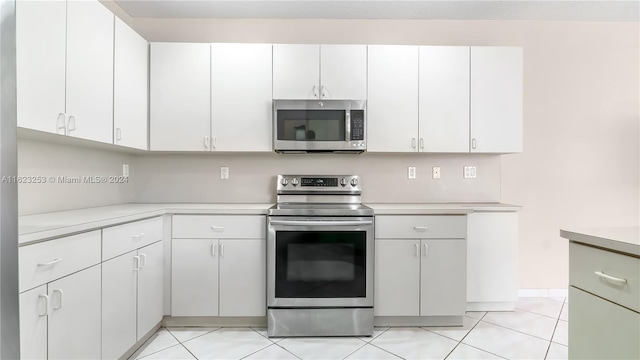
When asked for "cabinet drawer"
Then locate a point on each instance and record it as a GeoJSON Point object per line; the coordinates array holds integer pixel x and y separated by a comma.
{"type": "Point", "coordinates": [218, 226]}
{"type": "Point", "coordinates": [421, 227]}
{"type": "Point", "coordinates": [121, 239]}
{"type": "Point", "coordinates": [46, 261]}
{"type": "Point", "coordinates": [585, 261]}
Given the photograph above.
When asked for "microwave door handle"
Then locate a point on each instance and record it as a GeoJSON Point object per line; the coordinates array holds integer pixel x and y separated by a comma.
{"type": "Point", "coordinates": [347, 125]}
{"type": "Point", "coordinates": [321, 222]}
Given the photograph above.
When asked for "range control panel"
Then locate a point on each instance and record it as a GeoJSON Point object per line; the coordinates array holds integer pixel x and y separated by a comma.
{"type": "Point", "coordinates": [318, 183]}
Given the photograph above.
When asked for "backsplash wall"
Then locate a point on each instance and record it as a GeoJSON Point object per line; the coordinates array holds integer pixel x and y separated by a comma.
{"type": "Point", "coordinates": [196, 177]}
{"type": "Point", "coordinates": [44, 159]}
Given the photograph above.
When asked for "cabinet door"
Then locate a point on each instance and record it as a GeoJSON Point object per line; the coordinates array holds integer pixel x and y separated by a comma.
{"type": "Point", "coordinates": [296, 71]}
{"type": "Point", "coordinates": [40, 66]}
{"type": "Point", "coordinates": [600, 329]}
{"type": "Point", "coordinates": [241, 97]}
{"type": "Point", "coordinates": [443, 272]}
{"type": "Point", "coordinates": [444, 99]}
{"type": "Point", "coordinates": [343, 72]}
{"type": "Point", "coordinates": [34, 307]}
{"type": "Point", "coordinates": [496, 99]}
{"type": "Point", "coordinates": [74, 316]}
{"type": "Point", "coordinates": [392, 106]}
{"type": "Point", "coordinates": [397, 278]}
{"type": "Point", "coordinates": [150, 287]}
{"type": "Point", "coordinates": [194, 277]}
{"type": "Point", "coordinates": [130, 86]}
{"type": "Point", "coordinates": [492, 252]}
{"type": "Point", "coordinates": [243, 277]}
{"type": "Point", "coordinates": [90, 71]}
{"type": "Point", "coordinates": [180, 96]}
{"type": "Point", "coordinates": [119, 289]}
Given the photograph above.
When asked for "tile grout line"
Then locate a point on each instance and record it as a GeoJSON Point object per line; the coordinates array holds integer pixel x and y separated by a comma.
{"type": "Point", "coordinates": [554, 332]}
{"type": "Point", "coordinates": [282, 347]}
{"type": "Point", "coordinates": [147, 343]}
{"type": "Point", "coordinates": [469, 332]}
{"type": "Point", "coordinates": [532, 312]}
{"type": "Point", "coordinates": [364, 343]}
{"type": "Point", "coordinates": [387, 351]}
{"type": "Point", "coordinates": [523, 333]}
{"type": "Point", "coordinates": [181, 344]}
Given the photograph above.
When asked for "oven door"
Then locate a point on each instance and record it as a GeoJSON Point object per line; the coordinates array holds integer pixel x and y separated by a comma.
{"type": "Point", "coordinates": [320, 262]}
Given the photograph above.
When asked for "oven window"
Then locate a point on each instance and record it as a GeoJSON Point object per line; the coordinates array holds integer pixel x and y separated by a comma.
{"type": "Point", "coordinates": [311, 125]}
{"type": "Point", "coordinates": [320, 264]}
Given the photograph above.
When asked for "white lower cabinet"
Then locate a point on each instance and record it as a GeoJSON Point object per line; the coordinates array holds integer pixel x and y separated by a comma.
{"type": "Point", "coordinates": [131, 298]}
{"type": "Point", "coordinates": [492, 252]}
{"type": "Point", "coordinates": [61, 320]}
{"type": "Point", "coordinates": [420, 267]}
{"type": "Point", "coordinates": [212, 277]}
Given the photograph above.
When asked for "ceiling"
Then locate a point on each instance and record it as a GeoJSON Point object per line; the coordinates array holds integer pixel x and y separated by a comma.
{"type": "Point", "coordinates": [610, 10]}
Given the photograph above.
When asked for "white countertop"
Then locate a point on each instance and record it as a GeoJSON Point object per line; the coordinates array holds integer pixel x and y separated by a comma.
{"type": "Point", "coordinates": [32, 228]}
{"type": "Point", "coordinates": [38, 227]}
{"type": "Point", "coordinates": [620, 239]}
{"type": "Point", "coordinates": [439, 208]}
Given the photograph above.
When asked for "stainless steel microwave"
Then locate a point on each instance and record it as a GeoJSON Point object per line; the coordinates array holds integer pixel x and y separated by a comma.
{"type": "Point", "coordinates": [310, 126]}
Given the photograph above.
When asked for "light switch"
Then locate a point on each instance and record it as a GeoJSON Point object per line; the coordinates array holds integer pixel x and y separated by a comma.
{"type": "Point", "coordinates": [125, 170]}
{"type": "Point", "coordinates": [436, 172]}
{"type": "Point", "coordinates": [469, 172]}
{"type": "Point", "coordinates": [411, 172]}
{"type": "Point", "coordinates": [224, 172]}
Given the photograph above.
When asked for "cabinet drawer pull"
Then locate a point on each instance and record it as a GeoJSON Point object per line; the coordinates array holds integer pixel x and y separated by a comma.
{"type": "Point", "coordinates": [118, 134]}
{"type": "Point", "coordinates": [137, 236]}
{"type": "Point", "coordinates": [46, 304]}
{"type": "Point", "coordinates": [217, 228]}
{"type": "Point", "coordinates": [426, 249]}
{"type": "Point", "coordinates": [221, 249]}
{"type": "Point", "coordinates": [50, 262]}
{"type": "Point", "coordinates": [206, 142]}
{"type": "Point", "coordinates": [421, 143]}
{"type": "Point", "coordinates": [420, 228]}
{"type": "Point", "coordinates": [213, 249]}
{"type": "Point", "coordinates": [417, 249]}
{"type": "Point", "coordinates": [473, 143]}
{"type": "Point", "coordinates": [60, 301]}
{"type": "Point", "coordinates": [612, 279]}
{"type": "Point", "coordinates": [71, 124]}
{"type": "Point", "coordinates": [413, 143]}
{"type": "Point", "coordinates": [63, 127]}
{"type": "Point", "coordinates": [143, 260]}
{"type": "Point", "coordinates": [315, 93]}
{"type": "Point", "coordinates": [214, 142]}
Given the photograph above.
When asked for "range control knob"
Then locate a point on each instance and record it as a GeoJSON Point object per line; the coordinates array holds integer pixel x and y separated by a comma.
{"type": "Point", "coordinates": [284, 182]}
{"type": "Point", "coordinates": [294, 181]}
{"type": "Point", "coordinates": [343, 182]}
{"type": "Point", "coordinates": [354, 182]}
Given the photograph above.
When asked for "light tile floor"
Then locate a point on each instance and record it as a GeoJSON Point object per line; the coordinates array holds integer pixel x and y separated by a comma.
{"type": "Point", "coordinates": [536, 330]}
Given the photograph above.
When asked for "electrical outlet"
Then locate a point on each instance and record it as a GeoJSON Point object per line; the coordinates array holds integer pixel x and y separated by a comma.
{"type": "Point", "coordinates": [125, 170]}
{"type": "Point", "coordinates": [411, 172]}
{"type": "Point", "coordinates": [435, 171]}
{"type": "Point", "coordinates": [469, 172]}
{"type": "Point", "coordinates": [224, 172]}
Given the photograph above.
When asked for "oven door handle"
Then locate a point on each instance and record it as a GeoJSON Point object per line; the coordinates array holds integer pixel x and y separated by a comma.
{"type": "Point", "coordinates": [321, 222]}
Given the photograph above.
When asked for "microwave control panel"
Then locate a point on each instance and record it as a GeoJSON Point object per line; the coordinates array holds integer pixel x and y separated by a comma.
{"type": "Point", "coordinates": [357, 125]}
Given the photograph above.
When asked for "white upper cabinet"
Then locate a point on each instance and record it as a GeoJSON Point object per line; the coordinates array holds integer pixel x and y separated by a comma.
{"type": "Point", "coordinates": [130, 87]}
{"type": "Point", "coordinates": [444, 99]}
{"type": "Point", "coordinates": [319, 71]}
{"type": "Point", "coordinates": [496, 99]}
{"type": "Point", "coordinates": [241, 97]}
{"type": "Point", "coordinates": [343, 72]}
{"type": "Point", "coordinates": [392, 106]}
{"type": "Point", "coordinates": [180, 97]}
{"type": "Point", "coordinates": [296, 71]}
{"type": "Point", "coordinates": [40, 55]}
{"type": "Point", "coordinates": [90, 71]}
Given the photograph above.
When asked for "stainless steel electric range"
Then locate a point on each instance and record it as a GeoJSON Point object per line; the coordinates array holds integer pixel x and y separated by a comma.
{"type": "Point", "coordinates": [320, 255]}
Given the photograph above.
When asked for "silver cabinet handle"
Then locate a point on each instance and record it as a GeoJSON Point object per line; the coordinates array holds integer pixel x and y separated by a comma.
{"type": "Point", "coordinates": [50, 262]}
{"type": "Point", "coordinates": [206, 142]}
{"type": "Point", "coordinates": [322, 92]}
{"type": "Point", "coordinates": [215, 142]}
{"type": "Point", "coordinates": [473, 143]}
{"type": "Point", "coordinates": [143, 260]}
{"type": "Point", "coordinates": [137, 236]}
{"type": "Point", "coordinates": [413, 143]}
{"type": "Point", "coordinates": [320, 223]}
{"type": "Point", "coordinates": [426, 249]}
{"type": "Point", "coordinates": [60, 301]}
{"type": "Point", "coordinates": [63, 127]}
{"type": "Point", "coordinates": [46, 304]}
{"type": "Point", "coordinates": [417, 249]}
{"type": "Point", "coordinates": [71, 124]}
{"type": "Point", "coordinates": [118, 134]}
{"type": "Point", "coordinates": [221, 249]}
{"type": "Point", "coordinates": [136, 260]}
{"type": "Point", "coordinates": [217, 228]}
{"type": "Point", "coordinates": [610, 278]}
{"type": "Point", "coordinates": [213, 249]}
{"type": "Point", "coordinates": [420, 228]}
{"type": "Point", "coordinates": [315, 93]}
{"type": "Point", "coordinates": [421, 143]}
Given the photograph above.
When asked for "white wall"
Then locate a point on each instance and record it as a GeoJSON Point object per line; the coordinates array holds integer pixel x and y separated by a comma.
{"type": "Point", "coordinates": [36, 158]}
{"type": "Point", "coordinates": [196, 178]}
